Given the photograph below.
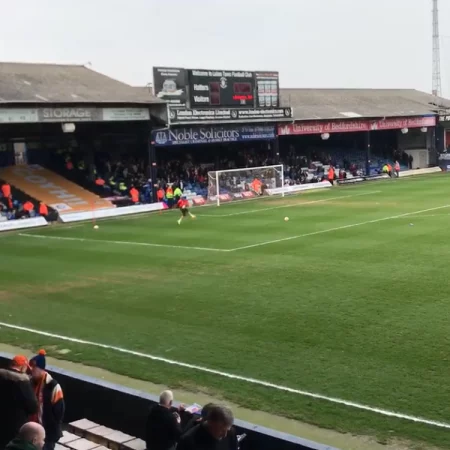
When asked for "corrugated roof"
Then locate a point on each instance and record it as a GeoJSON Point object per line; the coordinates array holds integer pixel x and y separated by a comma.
{"type": "Point", "coordinates": [54, 83]}
{"type": "Point", "coordinates": [316, 104]}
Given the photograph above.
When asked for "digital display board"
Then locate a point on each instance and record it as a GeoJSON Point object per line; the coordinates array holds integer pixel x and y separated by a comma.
{"type": "Point", "coordinates": [221, 88]}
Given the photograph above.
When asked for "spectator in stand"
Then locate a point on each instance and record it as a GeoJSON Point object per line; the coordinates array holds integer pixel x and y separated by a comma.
{"type": "Point", "coordinates": [160, 194]}
{"type": "Point", "coordinates": [212, 433]}
{"type": "Point", "coordinates": [99, 181]}
{"type": "Point", "coordinates": [397, 169]}
{"type": "Point", "coordinates": [50, 398]}
{"type": "Point", "coordinates": [169, 196]}
{"type": "Point", "coordinates": [163, 429]}
{"type": "Point", "coordinates": [31, 436]}
{"type": "Point", "coordinates": [6, 190]}
{"type": "Point", "coordinates": [134, 194]}
{"type": "Point", "coordinates": [389, 169]}
{"type": "Point", "coordinates": [410, 161]}
{"type": "Point", "coordinates": [28, 208]}
{"type": "Point", "coordinates": [177, 194]}
{"type": "Point", "coordinates": [18, 401]}
{"type": "Point", "coordinates": [331, 174]}
{"type": "Point", "coordinates": [43, 210]}
{"type": "Point", "coordinates": [195, 420]}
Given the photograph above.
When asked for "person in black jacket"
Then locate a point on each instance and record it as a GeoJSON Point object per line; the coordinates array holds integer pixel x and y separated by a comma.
{"type": "Point", "coordinates": [211, 434]}
{"type": "Point", "coordinates": [17, 399]}
{"type": "Point", "coordinates": [50, 399]}
{"type": "Point", "coordinates": [163, 427]}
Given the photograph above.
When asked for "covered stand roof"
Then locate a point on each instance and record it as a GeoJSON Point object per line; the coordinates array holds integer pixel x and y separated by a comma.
{"type": "Point", "coordinates": [22, 83]}
{"type": "Point", "coordinates": [320, 104]}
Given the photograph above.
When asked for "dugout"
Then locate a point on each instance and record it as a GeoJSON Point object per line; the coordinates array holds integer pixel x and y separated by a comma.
{"type": "Point", "coordinates": [368, 126]}
{"type": "Point", "coordinates": [50, 111]}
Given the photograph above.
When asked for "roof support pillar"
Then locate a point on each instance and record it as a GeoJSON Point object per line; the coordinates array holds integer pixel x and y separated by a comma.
{"type": "Point", "coordinates": [368, 152]}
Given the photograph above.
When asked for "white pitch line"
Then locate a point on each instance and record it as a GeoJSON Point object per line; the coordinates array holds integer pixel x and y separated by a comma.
{"type": "Point", "coordinates": [343, 227]}
{"type": "Point", "coordinates": [254, 381]}
{"type": "Point", "coordinates": [291, 205]}
{"type": "Point", "coordinates": [143, 244]}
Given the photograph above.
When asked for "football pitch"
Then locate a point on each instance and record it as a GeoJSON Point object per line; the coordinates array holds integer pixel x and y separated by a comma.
{"type": "Point", "coordinates": [338, 317]}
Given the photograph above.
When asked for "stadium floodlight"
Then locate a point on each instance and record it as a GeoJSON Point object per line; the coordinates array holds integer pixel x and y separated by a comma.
{"type": "Point", "coordinates": [424, 129]}
{"type": "Point", "coordinates": [245, 183]}
{"type": "Point", "coordinates": [404, 130]}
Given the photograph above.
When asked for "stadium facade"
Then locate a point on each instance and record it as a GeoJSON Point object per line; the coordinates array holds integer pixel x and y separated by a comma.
{"type": "Point", "coordinates": [46, 109]}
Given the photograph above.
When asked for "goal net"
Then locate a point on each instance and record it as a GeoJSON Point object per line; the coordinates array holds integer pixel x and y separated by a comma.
{"type": "Point", "coordinates": [241, 184]}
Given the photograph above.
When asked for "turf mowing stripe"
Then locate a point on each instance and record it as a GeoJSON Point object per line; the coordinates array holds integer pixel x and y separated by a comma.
{"type": "Point", "coordinates": [144, 244]}
{"type": "Point", "coordinates": [255, 381]}
{"type": "Point", "coordinates": [343, 227]}
{"type": "Point", "coordinates": [292, 205]}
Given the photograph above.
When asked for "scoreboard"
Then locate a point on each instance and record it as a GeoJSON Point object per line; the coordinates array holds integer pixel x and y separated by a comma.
{"type": "Point", "coordinates": [232, 89]}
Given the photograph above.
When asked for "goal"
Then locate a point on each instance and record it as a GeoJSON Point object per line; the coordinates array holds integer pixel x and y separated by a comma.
{"type": "Point", "coordinates": [241, 184]}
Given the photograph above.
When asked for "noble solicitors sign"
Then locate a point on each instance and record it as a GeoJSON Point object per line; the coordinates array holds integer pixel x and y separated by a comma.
{"type": "Point", "coordinates": [210, 135]}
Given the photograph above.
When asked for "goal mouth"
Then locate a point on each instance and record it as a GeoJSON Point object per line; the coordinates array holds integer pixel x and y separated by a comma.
{"type": "Point", "coordinates": [243, 184]}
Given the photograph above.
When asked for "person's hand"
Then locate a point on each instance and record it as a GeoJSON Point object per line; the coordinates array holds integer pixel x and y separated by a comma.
{"type": "Point", "coordinates": [182, 407]}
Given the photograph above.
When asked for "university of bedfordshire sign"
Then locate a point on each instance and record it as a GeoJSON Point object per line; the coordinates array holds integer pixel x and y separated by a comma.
{"type": "Point", "coordinates": [351, 126]}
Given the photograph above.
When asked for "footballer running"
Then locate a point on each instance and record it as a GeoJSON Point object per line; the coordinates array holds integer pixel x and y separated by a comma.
{"type": "Point", "coordinates": [183, 205]}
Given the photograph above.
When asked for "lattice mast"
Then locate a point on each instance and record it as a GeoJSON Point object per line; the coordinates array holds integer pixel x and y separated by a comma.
{"type": "Point", "coordinates": [436, 51]}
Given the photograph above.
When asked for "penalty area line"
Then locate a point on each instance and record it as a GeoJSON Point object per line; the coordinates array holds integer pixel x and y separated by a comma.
{"type": "Point", "coordinates": [291, 205]}
{"type": "Point", "coordinates": [228, 375]}
{"type": "Point", "coordinates": [343, 227]}
{"type": "Point", "coordinates": [142, 244]}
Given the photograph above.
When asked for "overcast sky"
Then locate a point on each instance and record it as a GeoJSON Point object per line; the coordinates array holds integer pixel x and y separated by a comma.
{"type": "Point", "coordinates": [312, 43]}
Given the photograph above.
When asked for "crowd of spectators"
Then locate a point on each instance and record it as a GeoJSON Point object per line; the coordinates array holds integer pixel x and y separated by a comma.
{"type": "Point", "coordinates": [18, 208]}
{"type": "Point", "coordinates": [210, 428]}
{"type": "Point", "coordinates": [32, 412]}
{"type": "Point", "coordinates": [32, 405]}
{"type": "Point", "coordinates": [127, 180]}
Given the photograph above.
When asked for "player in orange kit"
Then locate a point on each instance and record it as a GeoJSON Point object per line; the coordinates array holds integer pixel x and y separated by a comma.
{"type": "Point", "coordinates": [183, 206]}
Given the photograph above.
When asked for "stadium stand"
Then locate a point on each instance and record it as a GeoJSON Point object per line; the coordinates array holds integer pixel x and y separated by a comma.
{"type": "Point", "coordinates": [46, 186]}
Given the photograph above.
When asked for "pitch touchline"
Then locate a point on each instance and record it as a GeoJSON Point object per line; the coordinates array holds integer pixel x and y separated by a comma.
{"type": "Point", "coordinates": [255, 381]}
{"type": "Point", "coordinates": [292, 205]}
{"type": "Point", "coordinates": [343, 227]}
{"type": "Point", "coordinates": [144, 244]}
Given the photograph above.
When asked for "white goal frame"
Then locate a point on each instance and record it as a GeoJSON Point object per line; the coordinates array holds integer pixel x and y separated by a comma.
{"type": "Point", "coordinates": [219, 172]}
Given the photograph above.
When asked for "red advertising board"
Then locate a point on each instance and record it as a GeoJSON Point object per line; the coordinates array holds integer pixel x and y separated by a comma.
{"type": "Point", "coordinates": [198, 201]}
{"type": "Point", "coordinates": [351, 126]}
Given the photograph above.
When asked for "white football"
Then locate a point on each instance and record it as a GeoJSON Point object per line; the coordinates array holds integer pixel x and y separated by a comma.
{"type": "Point", "coordinates": [286, 219]}
{"type": "Point", "coordinates": [95, 227]}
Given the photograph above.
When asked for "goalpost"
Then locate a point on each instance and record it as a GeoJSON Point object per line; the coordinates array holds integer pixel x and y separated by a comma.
{"type": "Point", "coordinates": [246, 183]}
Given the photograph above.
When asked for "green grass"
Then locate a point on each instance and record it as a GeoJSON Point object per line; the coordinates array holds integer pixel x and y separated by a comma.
{"type": "Point", "coordinates": [360, 313]}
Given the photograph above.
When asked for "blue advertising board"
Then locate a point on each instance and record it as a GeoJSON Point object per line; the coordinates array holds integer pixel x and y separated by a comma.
{"type": "Point", "coordinates": [211, 135]}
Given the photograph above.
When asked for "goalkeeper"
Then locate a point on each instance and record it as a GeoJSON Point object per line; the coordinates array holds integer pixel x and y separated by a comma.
{"type": "Point", "coordinates": [183, 206]}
